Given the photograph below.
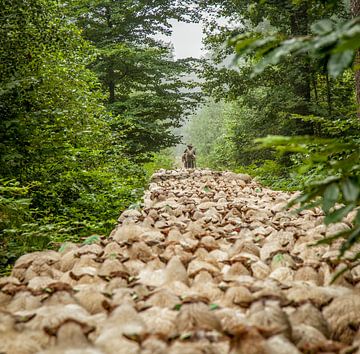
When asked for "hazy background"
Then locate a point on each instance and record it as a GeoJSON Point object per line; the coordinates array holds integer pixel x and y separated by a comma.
{"type": "Point", "coordinates": [186, 39]}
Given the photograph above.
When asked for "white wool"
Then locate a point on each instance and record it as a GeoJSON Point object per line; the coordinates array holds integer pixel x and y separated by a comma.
{"type": "Point", "coordinates": [207, 255]}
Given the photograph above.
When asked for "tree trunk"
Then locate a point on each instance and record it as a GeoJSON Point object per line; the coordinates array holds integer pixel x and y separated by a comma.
{"type": "Point", "coordinates": [111, 78]}
{"type": "Point", "coordinates": [355, 12]}
{"type": "Point", "coordinates": [328, 94]}
{"type": "Point", "coordinates": [300, 27]}
{"type": "Point", "coordinates": [111, 82]}
{"type": "Point", "coordinates": [313, 77]}
{"type": "Point", "coordinates": [301, 68]}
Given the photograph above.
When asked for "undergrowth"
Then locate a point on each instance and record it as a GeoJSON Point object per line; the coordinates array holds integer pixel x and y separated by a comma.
{"type": "Point", "coordinates": [78, 206]}
{"type": "Point", "coordinates": [278, 177]}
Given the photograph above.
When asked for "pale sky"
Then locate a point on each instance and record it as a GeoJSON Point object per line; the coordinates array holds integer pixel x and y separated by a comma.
{"type": "Point", "coordinates": [186, 38]}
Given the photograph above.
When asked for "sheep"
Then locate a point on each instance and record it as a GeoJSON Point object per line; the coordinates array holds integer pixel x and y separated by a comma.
{"type": "Point", "coordinates": [210, 264]}
{"type": "Point", "coordinates": [343, 316]}
{"type": "Point", "coordinates": [193, 316]}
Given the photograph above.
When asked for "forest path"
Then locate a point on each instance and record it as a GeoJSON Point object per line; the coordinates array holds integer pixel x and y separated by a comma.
{"type": "Point", "coordinates": [211, 264]}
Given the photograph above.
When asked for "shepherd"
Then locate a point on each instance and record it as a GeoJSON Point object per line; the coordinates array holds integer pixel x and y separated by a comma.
{"type": "Point", "coordinates": [189, 157]}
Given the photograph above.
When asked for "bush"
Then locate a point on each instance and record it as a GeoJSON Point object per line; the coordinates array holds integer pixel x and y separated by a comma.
{"type": "Point", "coordinates": [165, 159]}
{"type": "Point", "coordinates": [79, 204]}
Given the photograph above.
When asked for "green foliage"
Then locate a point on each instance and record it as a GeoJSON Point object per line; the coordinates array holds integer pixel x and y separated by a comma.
{"type": "Point", "coordinates": [337, 158]}
{"type": "Point", "coordinates": [65, 174]}
{"type": "Point", "coordinates": [206, 130]}
{"type": "Point", "coordinates": [14, 204]}
{"type": "Point", "coordinates": [91, 239]}
{"type": "Point", "coordinates": [336, 43]}
{"type": "Point", "coordinates": [273, 174]}
{"type": "Point", "coordinates": [339, 193]}
{"type": "Point", "coordinates": [224, 132]}
{"type": "Point", "coordinates": [213, 307]}
{"type": "Point", "coordinates": [80, 204]}
{"type": "Point", "coordinates": [49, 101]}
{"type": "Point", "coordinates": [165, 159]}
{"type": "Point", "coordinates": [14, 212]}
{"type": "Point", "coordinates": [292, 84]}
{"type": "Point", "coordinates": [148, 92]}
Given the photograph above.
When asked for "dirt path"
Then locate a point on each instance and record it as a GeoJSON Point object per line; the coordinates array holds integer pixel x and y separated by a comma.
{"type": "Point", "coordinates": [211, 264]}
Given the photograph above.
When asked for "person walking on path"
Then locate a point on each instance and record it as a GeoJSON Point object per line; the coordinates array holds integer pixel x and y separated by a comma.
{"type": "Point", "coordinates": [189, 157]}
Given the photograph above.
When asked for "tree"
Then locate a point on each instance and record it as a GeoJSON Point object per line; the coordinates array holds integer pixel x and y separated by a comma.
{"type": "Point", "coordinates": [284, 17]}
{"type": "Point", "coordinates": [355, 12]}
{"type": "Point", "coordinates": [61, 174]}
{"type": "Point", "coordinates": [274, 96]}
{"type": "Point", "coordinates": [49, 101]}
{"type": "Point", "coordinates": [336, 44]}
{"type": "Point", "coordinates": [206, 130]}
{"type": "Point", "coordinates": [147, 96]}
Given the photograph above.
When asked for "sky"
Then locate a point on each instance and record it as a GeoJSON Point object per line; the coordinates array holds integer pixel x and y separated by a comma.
{"type": "Point", "coordinates": [186, 38]}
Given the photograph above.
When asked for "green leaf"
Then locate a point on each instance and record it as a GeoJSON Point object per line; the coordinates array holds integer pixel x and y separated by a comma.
{"type": "Point", "coordinates": [357, 218]}
{"type": "Point", "coordinates": [353, 238]}
{"type": "Point", "coordinates": [213, 307]}
{"type": "Point", "coordinates": [134, 206]}
{"type": "Point", "coordinates": [311, 205]}
{"type": "Point", "coordinates": [112, 256]}
{"type": "Point", "coordinates": [350, 190]}
{"type": "Point", "coordinates": [331, 239]}
{"type": "Point", "coordinates": [244, 44]}
{"type": "Point", "coordinates": [91, 239]}
{"type": "Point", "coordinates": [277, 54]}
{"type": "Point", "coordinates": [338, 274]}
{"type": "Point", "coordinates": [322, 27]}
{"type": "Point", "coordinates": [331, 195]}
{"type": "Point", "coordinates": [135, 296]}
{"type": "Point", "coordinates": [278, 258]}
{"type": "Point", "coordinates": [63, 247]}
{"type": "Point", "coordinates": [238, 38]}
{"type": "Point", "coordinates": [186, 335]}
{"type": "Point", "coordinates": [348, 43]}
{"type": "Point", "coordinates": [339, 214]}
{"type": "Point", "coordinates": [177, 307]}
{"type": "Point", "coordinates": [339, 62]}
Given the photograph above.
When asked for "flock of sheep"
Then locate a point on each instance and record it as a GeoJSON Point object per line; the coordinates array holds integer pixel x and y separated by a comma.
{"type": "Point", "coordinates": [212, 263]}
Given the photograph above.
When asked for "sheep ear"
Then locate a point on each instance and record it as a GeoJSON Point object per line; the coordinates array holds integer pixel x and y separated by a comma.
{"type": "Point", "coordinates": [24, 319]}
{"type": "Point", "coordinates": [140, 306]}
{"type": "Point", "coordinates": [138, 338]}
{"type": "Point", "coordinates": [60, 286]}
{"type": "Point", "coordinates": [73, 276]}
{"type": "Point", "coordinates": [108, 306]}
{"type": "Point", "coordinates": [12, 289]}
{"type": "Point", "coordinates": [228, 334]}
{"type": "Point", "coordinates": [87, 329]}
{"type": "Point", "coordinates": [268, 332]}
{"type": "Point", "coordinates": [194, 299]}
{"type": "Point", "coordinates": [237, 330]}
{"type": "Point", "coordinates": [51, 331]}
{"type": "Point", "coordinates": [21, 320]}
